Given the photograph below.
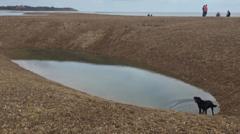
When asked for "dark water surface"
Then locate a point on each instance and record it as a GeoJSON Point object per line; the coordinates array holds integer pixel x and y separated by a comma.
{"type": "Point", "coordinates": [120, 83]}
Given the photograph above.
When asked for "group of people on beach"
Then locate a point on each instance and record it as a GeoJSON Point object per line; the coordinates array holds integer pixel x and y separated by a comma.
{"type": "Point", "coordinates": [205, 11]}
{"type": "Point", "coordinates": [227, 15]}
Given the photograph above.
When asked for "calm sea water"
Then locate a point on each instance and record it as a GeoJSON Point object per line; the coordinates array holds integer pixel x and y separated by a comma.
{"type": "Point", "coordinates": [11, 13]}
{"type": "Point", "coordinates": [177, 14]}
{"type": "Point", "coordinates": [121, 83]}
{"type": "Point", "coordinates": [31, 13]}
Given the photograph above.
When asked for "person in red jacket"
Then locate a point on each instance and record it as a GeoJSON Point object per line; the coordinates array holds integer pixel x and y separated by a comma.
{"type": "Point", "coordinates": [205, 10]}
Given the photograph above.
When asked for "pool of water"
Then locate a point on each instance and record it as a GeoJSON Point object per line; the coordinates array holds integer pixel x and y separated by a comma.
{"type": "Point", "coordinates": [121, 83]}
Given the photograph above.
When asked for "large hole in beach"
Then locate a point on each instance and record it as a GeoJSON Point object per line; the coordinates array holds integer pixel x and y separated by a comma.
{"type": "Point", "coordinates": [112, 81]}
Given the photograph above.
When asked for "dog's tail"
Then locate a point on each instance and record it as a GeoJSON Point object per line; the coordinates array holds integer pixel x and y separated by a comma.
{"type": "Point", "coordinates": [214, 105]}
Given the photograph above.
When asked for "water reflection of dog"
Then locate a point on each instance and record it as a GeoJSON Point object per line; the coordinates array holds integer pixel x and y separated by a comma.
{"type": "Point", "coordinates": [204, 105]}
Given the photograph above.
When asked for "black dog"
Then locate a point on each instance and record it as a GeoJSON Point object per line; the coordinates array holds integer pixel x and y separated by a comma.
{"type": "Point", "coordinates": [203, 105]}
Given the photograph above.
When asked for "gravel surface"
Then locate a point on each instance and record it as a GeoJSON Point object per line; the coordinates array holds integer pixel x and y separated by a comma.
{"type": "Point", "coordinates": [201, 51]}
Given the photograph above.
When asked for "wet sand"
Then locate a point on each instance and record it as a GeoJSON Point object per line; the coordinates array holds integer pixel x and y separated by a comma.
{"type": "Point", "coordinates": [201, 51]}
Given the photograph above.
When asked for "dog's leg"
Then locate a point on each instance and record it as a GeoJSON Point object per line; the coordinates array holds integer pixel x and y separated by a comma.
{"type": "Point", "coordinates": [205, 111]}
{"type": "Point", "coordinates": [212, 111]}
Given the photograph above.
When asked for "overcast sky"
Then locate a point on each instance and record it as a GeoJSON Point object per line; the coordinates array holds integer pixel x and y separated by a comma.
{"type": "Point", "coordinates": [134, 5]}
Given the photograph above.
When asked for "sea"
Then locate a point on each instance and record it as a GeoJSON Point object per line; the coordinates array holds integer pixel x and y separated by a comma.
{"type": "Point", "coordinates": [171, 14]}
{"type": "Point", "coordinates": [11, 13]}
{"type": "Point", "coordinates": [165, 14]}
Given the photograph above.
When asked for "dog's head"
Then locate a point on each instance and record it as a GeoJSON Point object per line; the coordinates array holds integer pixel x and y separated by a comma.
{"type": "Point", "coordinates": [197, 99]}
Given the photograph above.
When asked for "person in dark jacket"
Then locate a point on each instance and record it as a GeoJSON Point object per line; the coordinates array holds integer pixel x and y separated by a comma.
{"type": "Point", "coordinates": [228, 13]}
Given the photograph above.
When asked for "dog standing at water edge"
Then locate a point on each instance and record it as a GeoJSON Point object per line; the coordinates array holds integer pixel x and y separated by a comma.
{"type": "Point", "coordinates": [204, 105]}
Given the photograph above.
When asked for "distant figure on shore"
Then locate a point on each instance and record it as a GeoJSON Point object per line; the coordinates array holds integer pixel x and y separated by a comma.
{"type": "Point", "coordinates": [228, 13]}
{"type": "Point", "coordinates": [149, 15]}
{"type": "Point", "coordinates": [218, 14]}
{"type": "Point", "coordinates": [205, 10]}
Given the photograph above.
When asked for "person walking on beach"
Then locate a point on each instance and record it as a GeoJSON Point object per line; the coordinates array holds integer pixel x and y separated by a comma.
{"type": "Point", "coordinates": [205, 10]}
{"type": "Point", "coordinates": [228, 13]}
{"type": "Point", "coordinates": [203, 14]}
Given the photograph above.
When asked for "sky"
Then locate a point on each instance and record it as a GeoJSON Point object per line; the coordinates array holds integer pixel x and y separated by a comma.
{"type": "Point", "coordinates": [134, 5]}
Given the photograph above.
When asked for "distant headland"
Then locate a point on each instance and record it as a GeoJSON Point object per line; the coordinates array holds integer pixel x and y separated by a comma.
{"type": "Point", "coordinates": [40, 8]}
